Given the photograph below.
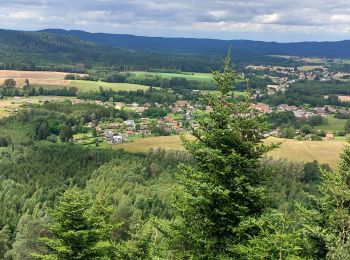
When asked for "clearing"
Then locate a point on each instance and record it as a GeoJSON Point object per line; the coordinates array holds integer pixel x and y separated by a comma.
{"type": "Point", "coordinates": [84, 85]}
{"type": "Point", "coordinates": [203, 77]}
{"type": "Point", "coordinates": [12, 105]}
{"type": "Point", "coordinates": [334, 124]}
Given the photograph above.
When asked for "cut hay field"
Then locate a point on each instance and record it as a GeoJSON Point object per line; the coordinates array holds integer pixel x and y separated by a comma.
{"type": "Point", "coordinates": [48, 79]}
{"type": "Point", "coordinates": [35, 77]}
{"type": "Point", "coordinates": [323, 151]}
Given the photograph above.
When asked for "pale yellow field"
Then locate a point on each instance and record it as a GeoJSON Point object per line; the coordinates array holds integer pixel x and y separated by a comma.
{"type": "Point", "coordinates": [307, 68]}
{"type": "Point", "coordinates": [35, 77]}
{"type": "Point", "coordinates": [49, 79]}
{"type": "Point", "coordinates": [323, 151]}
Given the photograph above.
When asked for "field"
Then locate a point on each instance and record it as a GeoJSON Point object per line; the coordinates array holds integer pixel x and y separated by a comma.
{"type": "Point", "coordinates": [307, 68]}
{"type": "Point", "coordinates": [334, 124]}
{"type": "Point", "coordinates": [35, 77]}
{"type": "Point", "coordinates": [9, 105]}
{"type": "Point", "coordinates": [49, 79]}
{"type": "Point", "coordinates": [84, 85]}
{"type": "Point", "coordinates": [323, 151]}
{"type": "Point", "coordinates": [203, 77]}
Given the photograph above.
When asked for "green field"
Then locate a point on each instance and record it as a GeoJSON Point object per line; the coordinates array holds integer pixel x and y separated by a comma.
{"type": "Point", "coordinates": [322, 151]}
{"type": "Point", "coordinates": [334, 124]}
{"type": "Point", "coordinates": [84, 85]}
{"type": "Point", "coordinates": [203, 77]}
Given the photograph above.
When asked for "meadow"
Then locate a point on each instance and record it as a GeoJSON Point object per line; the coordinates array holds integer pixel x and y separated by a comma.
{"type": "Point", "coordinates": [334, 124]}
{"type": "Point", "coordinates": [9, 105]}
{"type": "Point", "coordinates": [306, 151]}
{"type": "Point", "coordinates": [203, 77]}
{"type": "Point", "coordinates": [84, 85]}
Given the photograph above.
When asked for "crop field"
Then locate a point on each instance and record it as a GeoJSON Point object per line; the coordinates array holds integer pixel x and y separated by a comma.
{"type": "Point", "coordinates": [322, 151]}
{"type": "Point", "coordinates": [203, 77]}
{"type": "Point", "coordinates": [49, 79]}
{"type": "Point", "coordinates": [35, 77]}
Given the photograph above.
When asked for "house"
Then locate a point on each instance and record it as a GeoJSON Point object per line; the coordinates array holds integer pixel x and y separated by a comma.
{"type": "Point", "coordinates": [140, 109]}
{"type": "Point", "coordinates": [261, 107]}
{"type": "Point", "coordinates": [286, 107]}
{"type": "Point", "coordinates": [329, 136]}
{"type": "Point", "coordinates": [119, 105]}
{"type": "Point", "coordinates": [182, 103]}
{"type": "Point", "coordinates": [130, 123]}
{"type": "Point", "coordinates": [301, 114]}
{"type": "Point", "coordinates": [117, 139]}
{"type": "Point", "coordinates": [344, 99]}
{"type": "Point", "coordinates": [113, 125]}
{"type": "Point", "coordinates": [320, 110]}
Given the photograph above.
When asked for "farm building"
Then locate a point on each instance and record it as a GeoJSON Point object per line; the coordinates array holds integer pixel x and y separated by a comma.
{"type": "Point", "coordinates": [329, 136]}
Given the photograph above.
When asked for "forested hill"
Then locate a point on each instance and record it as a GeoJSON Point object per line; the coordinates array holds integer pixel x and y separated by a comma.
{"type": "Point", "coordinates": [241, 48]}
{"type": "Point", "coordinates": [47, 51]}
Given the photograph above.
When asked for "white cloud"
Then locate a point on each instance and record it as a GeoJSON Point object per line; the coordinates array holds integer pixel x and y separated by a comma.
{"type": "Point", "coordinates": [197, 18]}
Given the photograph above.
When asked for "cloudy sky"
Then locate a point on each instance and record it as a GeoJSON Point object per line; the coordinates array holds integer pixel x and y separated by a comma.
{"type": "Point", "coordinates": [272, 20]}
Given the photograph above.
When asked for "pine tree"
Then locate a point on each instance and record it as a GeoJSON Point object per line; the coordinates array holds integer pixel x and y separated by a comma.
{"type": "Point", "coordinates": [327, 223]}
{"type": "Point", "coordinates": [80, 231]}
{"type": "Point", "coordinates": [225, 185]}
{"type": "Point", "coordinates": [5, 241]}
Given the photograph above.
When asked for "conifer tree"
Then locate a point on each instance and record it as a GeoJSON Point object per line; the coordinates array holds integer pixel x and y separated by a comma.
{"type": "Point", "coordinates": [5, 241]}
{"type": "Point", "coordinates": [224, 187]}
{"type": "Point", "coordinates": [327, 223]}
{"type": "Point", "coordinates": [80, 231]}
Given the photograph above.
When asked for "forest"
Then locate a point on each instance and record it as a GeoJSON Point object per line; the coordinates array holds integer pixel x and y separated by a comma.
{"type": "Point", "coordinates": [220, 198]}
{"type": "Point", "coordinates": [312, 93]}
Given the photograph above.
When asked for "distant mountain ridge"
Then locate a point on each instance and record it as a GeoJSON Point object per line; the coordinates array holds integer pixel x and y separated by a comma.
{"type": "Point", "coordinates": [336, 49]}
{"type": "Point", "coordinates": [53, 51]}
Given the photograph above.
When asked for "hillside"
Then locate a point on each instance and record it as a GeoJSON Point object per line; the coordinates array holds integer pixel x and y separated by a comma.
{"type": "Point", "coordinates": [47, 51]}
{"type": "Point", "coordinates": [241, 48]}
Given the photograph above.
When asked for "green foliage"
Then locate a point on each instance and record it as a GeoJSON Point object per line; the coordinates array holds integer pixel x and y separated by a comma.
{"type": "Point", "coordinates": [288, 132]}
{"type": "Point", "coordinates": [5, 241]}
{"type": "Point", "coordinates": [327, 222]}
{"type": "Point", "coordinates": [279, 238]}
{"type": "Point", "coordinates": [80, 231]}
{"type": "Point", "coordinates": [225, 186]}
{"type": "Point", "coordinates": [347, 126]}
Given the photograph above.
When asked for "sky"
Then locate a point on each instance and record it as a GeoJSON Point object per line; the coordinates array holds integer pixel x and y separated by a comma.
{"type": "Point", "coordinates": [268, 20]}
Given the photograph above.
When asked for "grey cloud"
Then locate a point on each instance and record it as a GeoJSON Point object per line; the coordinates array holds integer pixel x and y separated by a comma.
{"type": "Point", "coordinates": [200, 18]}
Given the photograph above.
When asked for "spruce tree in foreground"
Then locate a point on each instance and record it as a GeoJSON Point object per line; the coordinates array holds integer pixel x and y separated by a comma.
{"type": "Point", "coordinates": [224, 187]}
{"type": "Point", "coordinates": [328, 222]}
{"type": "Point", "coordinates": [80, 231]}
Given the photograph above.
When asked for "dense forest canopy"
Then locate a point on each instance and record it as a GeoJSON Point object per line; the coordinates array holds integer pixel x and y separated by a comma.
{"type": "Point", "coordinates": [243, 49]}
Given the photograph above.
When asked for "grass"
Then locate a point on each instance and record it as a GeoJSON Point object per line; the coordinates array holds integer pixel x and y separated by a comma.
{"type": "Point", "coordinates": [236, 93]}
{"type": "Point", "coordinates": [84, 85]}
{"type": "Point", "coordinates": [293, 150]}
{"type": "Point", "coordinates": [203, 77]}
{"type": "Point", "coordinates": [10, 103]}
{"type": "Point", "coordinates": [334, 124]}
